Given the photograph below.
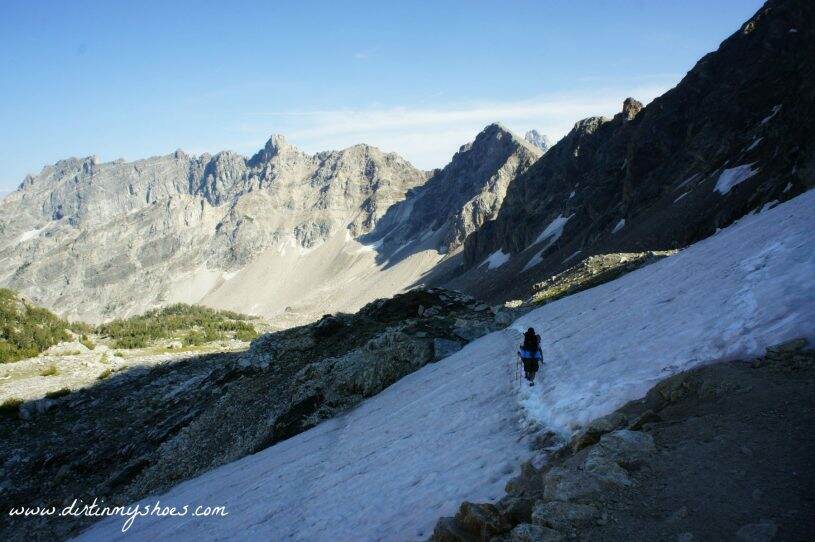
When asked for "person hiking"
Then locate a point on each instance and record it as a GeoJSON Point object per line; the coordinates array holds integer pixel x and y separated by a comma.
{"type": "Point", "coordinates": [531, 354]}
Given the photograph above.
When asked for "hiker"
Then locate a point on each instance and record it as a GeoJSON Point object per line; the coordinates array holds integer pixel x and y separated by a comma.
{"type": "Point", "coordinates": [531, 354]}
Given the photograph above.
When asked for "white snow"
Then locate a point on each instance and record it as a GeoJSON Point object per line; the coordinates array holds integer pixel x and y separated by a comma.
{"type": "Point", "coordinates": [620, 225]}
{"type": "Point", "coordinates": [572, 194]}
{"type": "Point", "coordinates": [384, 471]}
{"type": "Point", "coordinates": [574, 255]}
{"type": "Point", "coordinates": [452, 430]}
{"type": "Point", "coordinates": [793, 30]}
{"type": "Point", "coordinates": [733, 176]}
{"type": "Point", "coordinates": [726, 297]}
{"type": "Point", "coordinates": [754, 144]}
{"type": "Point", "coordinates": [229, 275]}
{"type": "Point", "coordinates": [682, 195]}
{"type": "Point", "coordinates": [533, 261]}
{"type": "Point", "coordinates": [554, 230]}
{"type": "Point", "coordinates": [30, 234]}
{"type": "Point", "coordinates": [370, 247]}
{"type": "Point", "coordinates": [686, 181]}
{"type": "Point", "coordinates": [787, 188]}
{"type": "Point", "coordinates": [496, 259]}
{"type": "Point", "coordinates": [773, 113]}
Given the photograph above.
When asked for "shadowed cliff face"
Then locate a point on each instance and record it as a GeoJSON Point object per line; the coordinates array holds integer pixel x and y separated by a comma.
{"type": "Point", "coordinates": [735, 134]}
{"type": "Point", "coordinates": [458, 199]}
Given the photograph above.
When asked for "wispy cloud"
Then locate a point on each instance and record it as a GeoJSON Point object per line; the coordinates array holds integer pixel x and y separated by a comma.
{"type": "Point", "coordinates": [428, 136]}
{"type": "Point", "coordinates": [366, 53]}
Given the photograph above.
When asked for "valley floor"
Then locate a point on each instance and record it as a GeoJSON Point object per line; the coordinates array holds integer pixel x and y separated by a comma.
{"type": "Point", "coordinates": [454, 430]}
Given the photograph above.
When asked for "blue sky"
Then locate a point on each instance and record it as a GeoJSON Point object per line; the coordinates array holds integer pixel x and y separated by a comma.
{"type": "Point", "coordinates": [136, 79]}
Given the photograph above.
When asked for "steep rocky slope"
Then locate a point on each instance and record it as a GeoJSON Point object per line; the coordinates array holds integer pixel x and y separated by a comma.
{"type": "Point", "coordinates": [705, 455]}
{"type": "Point", "coordinates": [458, 199]}
{"type": "Point", "coordinates": [149, 426]}
{"type": "Point", "coordinates": [96, 240]}
{"type": "Point", "coordinates": [732, 136]}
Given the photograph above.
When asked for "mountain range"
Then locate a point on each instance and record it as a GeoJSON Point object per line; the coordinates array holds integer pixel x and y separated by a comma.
{"type": "Point", "coordinates": [664, 258]}
{"type": "Point", "coordinates": [291, 236]}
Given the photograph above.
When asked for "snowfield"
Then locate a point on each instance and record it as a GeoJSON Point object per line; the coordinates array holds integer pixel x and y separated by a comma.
{"type": "Point", "coordinates": [454, 430]}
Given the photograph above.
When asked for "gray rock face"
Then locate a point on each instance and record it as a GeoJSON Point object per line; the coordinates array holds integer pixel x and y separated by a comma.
{"type": "Point", "coordinates": [95, 240]}
{"type": "Point", "coordinates": [460, 198]}
{"type": "Point", "coordinates": [539, 140]}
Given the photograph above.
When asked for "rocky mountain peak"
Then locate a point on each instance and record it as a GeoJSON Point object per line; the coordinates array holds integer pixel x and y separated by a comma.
{"type": "Point", "coordinates": [588, 125]}
{"type": "Point", "coordinates": [462, 196]}
{"type": "Point", "coordinates": [538, 139]}
{"type": "Point", "coordinates": [275, 146]}
{"type": "Point", "coordinates": [631, 108]}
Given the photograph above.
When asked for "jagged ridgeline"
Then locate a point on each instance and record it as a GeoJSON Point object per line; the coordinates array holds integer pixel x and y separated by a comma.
{"type": "Point", "coordinates": [286, 235]}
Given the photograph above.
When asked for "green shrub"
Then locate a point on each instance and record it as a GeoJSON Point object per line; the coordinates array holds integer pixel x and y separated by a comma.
{"type": "Point", "coordinates": [51, 370]}
{"type": "Point", "coordinates": [193, 323]}
{"type": "Point", "coordinates": [10, 405]}
{"type": "Point", "coordinates": [246, 335]}
{"type": "Point", "coordinates": [86, 342]}
{"type": "Point", "coordinates": [58, 393]}
{"type": "Point", "coordinates": [27, 330]}
{"type": "Point", "coordinates": [104, 374]}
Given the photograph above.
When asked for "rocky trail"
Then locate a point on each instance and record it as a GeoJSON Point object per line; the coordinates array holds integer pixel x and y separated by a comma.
{"type": "Point", "coordinates": [723, 452]}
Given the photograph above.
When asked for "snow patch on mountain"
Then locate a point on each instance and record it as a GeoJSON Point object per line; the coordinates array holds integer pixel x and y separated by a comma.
{"type": "Point", "coordinates": [773, 113]}
{"type": "Point", "coordinates": [496, 259]}
{"type": "Point", "coordinates": [733, 176]}
{"type": "Point", "coordinates": [552, 232]}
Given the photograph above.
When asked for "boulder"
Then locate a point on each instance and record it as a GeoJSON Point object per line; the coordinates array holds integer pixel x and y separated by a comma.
{"type": "Point", "coordinates": [448, 530]}
{"type": "Point", "coordinates": [483, 520]}
{"type": "Point", "coordinates": [596, 429]}
{"type": "Point", "coordinates": [616, 453]}
{"type": "Point", "coordinates": [503, 317]}
{"type": "Point", "coordinates": [516, 509]}
{"type": "Point", "coordinates": [562, 484]}
{"type": "Point", "coordinates": [563, 516]}
{"type": "Point", "coordinates": [469, 331]}
{"type": "Point", "coordinates": [649, 416]}
{"type": "Point", "coordinates": [526, 532]}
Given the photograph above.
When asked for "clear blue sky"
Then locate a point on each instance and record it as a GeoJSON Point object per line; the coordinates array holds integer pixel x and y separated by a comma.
{"type": "Point", "coordinates": [135, 79]}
